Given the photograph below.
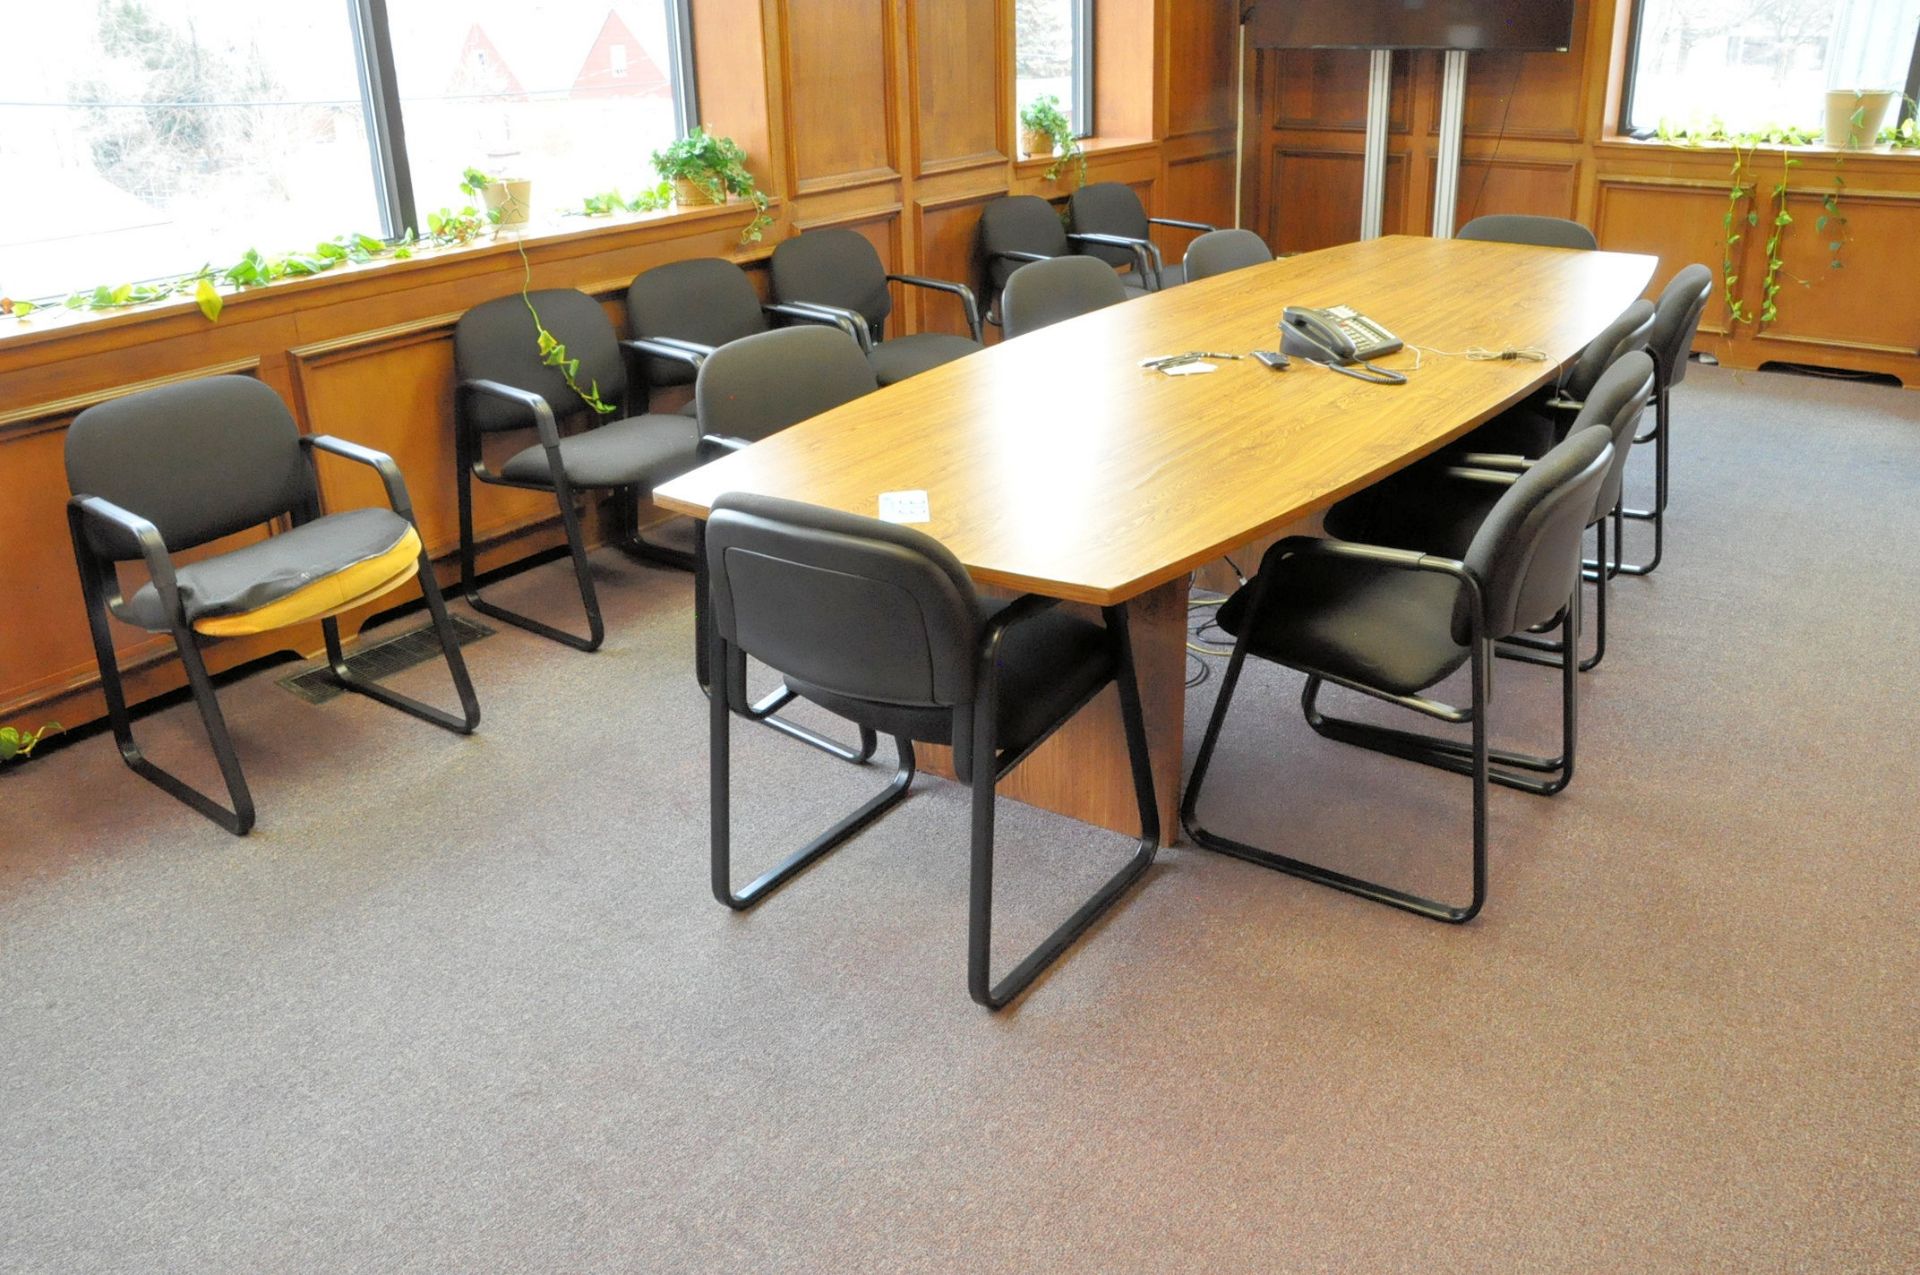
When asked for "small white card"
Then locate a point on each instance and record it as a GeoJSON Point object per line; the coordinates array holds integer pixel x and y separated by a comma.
{"type": "Point", "coordinates": [904, 506]}
{"type": "Point", "coordinates": [1190, 369]}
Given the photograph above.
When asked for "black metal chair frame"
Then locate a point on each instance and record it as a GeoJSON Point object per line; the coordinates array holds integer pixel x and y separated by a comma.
{"type": "Point", "coordinates": [99, 582]}
{"type": "Point", "coordinates": [989, 766]}
{"type": "Point", "coordinates": [1658, 514]}
{"type": "Point", "coordinates": [693, 354]}
{"type": "Point", "coordinates": [471, 464]}
{"type": "Point", "coordinates": [1476, 759]}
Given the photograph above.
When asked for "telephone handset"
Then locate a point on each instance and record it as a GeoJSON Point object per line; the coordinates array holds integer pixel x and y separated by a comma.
{"type": "Point", "coordinates": [1338, 337]}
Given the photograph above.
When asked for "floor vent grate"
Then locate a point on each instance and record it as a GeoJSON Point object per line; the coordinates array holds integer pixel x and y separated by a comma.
{"type": "Point", "coordinates": [383, 659]}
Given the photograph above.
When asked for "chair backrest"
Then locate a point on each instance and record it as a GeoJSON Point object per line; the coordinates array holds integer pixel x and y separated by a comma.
{"type": "Point", "coordinates": [1676, 318]}
{"type": "Point", "coordinates": [759, 385]}
{"type": "Point", "coordinates": [1019, 223]}
{"type": "Point", "coordinates": [497, 341]}
{"type": "Point", "coordinates": [1627, 333]}
{"type": "Point", "coordinates": [199, 460]}
{"type": "Point", "coordinates": [1046, 292]}
{"type": "Point", "coordinates": [705, 300]}
{"type": "Point", "coordinates": [834, 267]}
{"type": "Point", "coordinates": [1617, 402]}
{"type": "Point", "coordinates": [1221, 251]}
{"type": "Point", "coordinates": [853, 605]}
{"type": "Point", "coordinates": [1527, 551]}
{"type": "Point", "coordinates": [1108, 208]}
{"type": "Point", "coordinates": [1543, 232]}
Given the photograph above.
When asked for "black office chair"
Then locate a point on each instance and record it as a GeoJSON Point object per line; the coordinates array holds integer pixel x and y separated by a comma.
{"type": "Point", "coordinates": [839, 270]}
{"type": "Point", "coordinates": [1530, 428]}
{"type": "Point", "coordinates": [1542, 232]}
{"type": "Point", "coordinates": [750, 389]}
{"type": "Point", "coordinates": [681, 312]}
{"type": "Point", "coordinates": [1676, 320]}
{"type": "Point", "coordinates": [505, 385]}
{"type": "Point", "coordinates": [1049, 292]}
{"type": "Point", "coordinates": [1114, 226]}
{"type": "Point", "coordinates": [1222, 251]}
{"type": "Point", "coordinates": [1440, 509]}
{"type": "Point", "coordinates": [1017, 229]}
{"type": "Point", "coordinates": [1392, 623]}
{"type": "Point", "coordinates": [168, 470]}
{"type": "Point", "coordinates": [881, 625]}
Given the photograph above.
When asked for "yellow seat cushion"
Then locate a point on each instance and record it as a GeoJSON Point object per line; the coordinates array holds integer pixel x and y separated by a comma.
{"type": "Point", "coordinates": [330, 595]}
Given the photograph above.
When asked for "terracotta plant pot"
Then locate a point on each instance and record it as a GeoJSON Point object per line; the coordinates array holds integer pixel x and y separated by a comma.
{"type": "Point", "coordinates": [1037, 143]}
{"type": "Point", "coordinates": [1844, 104]}
{"type": "Point", "coordinates": [690, 194]}
{"type": "Point", "coordinates": [512, 197]}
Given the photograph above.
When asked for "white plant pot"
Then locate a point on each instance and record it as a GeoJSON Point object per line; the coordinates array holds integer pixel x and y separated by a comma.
{"type": "Point", "coordinates": [1844, 104]}
{"type": "Point", "coordinates": [513, 197]}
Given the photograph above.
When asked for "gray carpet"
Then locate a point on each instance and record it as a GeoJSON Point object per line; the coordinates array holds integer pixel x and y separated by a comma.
{"type": "Point", "coordinates": [467, 1004]}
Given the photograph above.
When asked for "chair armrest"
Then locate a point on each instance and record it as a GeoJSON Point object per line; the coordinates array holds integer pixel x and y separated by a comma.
{"type": "Point", "coordinates": [713, 446]}
{"type": "Point", "coordinates": [83, 509]}
{"type": "Point", "coordinates": [1176, 222]}
{"type": "Point", "coordinates": [1011, 254]}
{"type": "Point", "coordinates": [1467, 473]}
{"type": "Point", "coordinates": [541, 411]}
{"type": "Point", "coordinates": [960, 290]}
{"type": "Point", "coordinates": [691, 353]}
{"type": "Point", "coordinates": [1020, 610]}
{"type": "Point", "coordinates": [846, 320]}
{"type": "Point", "coordinates": [1492, 460]}
{"type": "Point", "coordinates": [1146, 253]}
{"type": "Point", "coordinates": [379, 462]}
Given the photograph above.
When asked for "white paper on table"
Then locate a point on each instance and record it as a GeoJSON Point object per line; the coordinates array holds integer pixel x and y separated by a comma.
{"type": "Point", "coordinates": [904, 506]}
{"type": "Point", "coordinates": [1190, 369]}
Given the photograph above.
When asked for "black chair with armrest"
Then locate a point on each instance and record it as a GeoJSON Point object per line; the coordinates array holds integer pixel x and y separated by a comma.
{"type": "Point", "coordinates": [1676, 320]}
{"type": "Point", "coordinates": [750, 389]}
{"type": "Point", "coordinates": [683, 311]}
{"type": "Point", "coordinates": [839, 271]}
{"type": "Point", "coordinates": [1222, 251]}
{"type": "Point", "coordinates": [1048, 292]}
{"type": "Point", "coordinates": [506, 386]}
{"type": "Point", "coordinates": [1393, 623]}
{"type": "Point", "coordinates": [1531, 428]}
{"type": "Point", "coordinates": [168, 470]}
{"type": "Point", "coordinates": [1018, 229]}
{"type": "Point", "coordinates": [1541, 232]}
{"type": "Point", "coordinates": [1113, 225]}
{"type": "Point", "coordinates": [880, 624]}
{"type": "Point", "coordinates": [1439, 509]}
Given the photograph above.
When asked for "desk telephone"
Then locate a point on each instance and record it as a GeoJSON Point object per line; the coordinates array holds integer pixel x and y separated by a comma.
{"type": "Point", "coordinates": [1338, 337]}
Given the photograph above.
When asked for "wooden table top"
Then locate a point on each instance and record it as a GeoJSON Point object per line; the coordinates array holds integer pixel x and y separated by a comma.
{"type": "Point", "coordinates": [1054, 464]}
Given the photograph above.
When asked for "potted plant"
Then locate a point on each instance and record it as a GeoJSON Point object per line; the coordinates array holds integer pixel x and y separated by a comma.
{"type": "Point", "coordinates": [1854, 116]}
{"type": "Point", "coordinates": [706, 169]}
{"type": "Point", "coordinates": [1042, 125]}
{"type": "Point", "coordinates": [508, 200]}
{"type": "Point", "coordinates": [1044, 131]}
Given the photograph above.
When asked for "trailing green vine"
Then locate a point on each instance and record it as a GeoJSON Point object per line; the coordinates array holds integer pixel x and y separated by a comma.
{"type": "Point", "coordinates": [17, 744]}
{"type": "Point", "coordinates": [553, 351]}
{"type": "Point", "coordinates": [1832, 221]}
{"type": "Point", "coordinates": [653, 199]}
{"type": "Point", "coordinates": [1738, 193]}
{"type": "Point", "coordinates": [1769, 306]}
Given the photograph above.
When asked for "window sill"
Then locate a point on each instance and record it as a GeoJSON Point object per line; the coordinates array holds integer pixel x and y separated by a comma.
{"type": "Point", "coordinates": [1622, 144]}
{"type": "Point", "coordinates": [557, 238]}
{"type": "Point", "coordinates": [1092, 146]}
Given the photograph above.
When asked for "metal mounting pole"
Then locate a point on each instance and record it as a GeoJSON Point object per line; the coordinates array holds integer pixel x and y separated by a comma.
{"type": "Point", "coordinates": [1453, 120]}
{"type": "Point", "coordinates": [1373, 189]}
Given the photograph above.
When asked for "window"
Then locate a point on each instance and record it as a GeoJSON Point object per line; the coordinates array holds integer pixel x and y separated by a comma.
{"type": "Point", "coordinates": [143, 138]}
{"type": "Point", "coordinates": [1053, 56]}
{"type": "Point", "coordinates": [1752, 63]}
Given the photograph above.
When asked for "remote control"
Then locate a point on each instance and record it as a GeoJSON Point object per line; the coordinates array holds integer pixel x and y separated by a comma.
{"type": "Point", "coordinates": [1273, 359]}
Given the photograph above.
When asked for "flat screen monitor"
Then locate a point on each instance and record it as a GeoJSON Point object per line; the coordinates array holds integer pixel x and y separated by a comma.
{"type": "Point", "coordinates": [1411, 24]}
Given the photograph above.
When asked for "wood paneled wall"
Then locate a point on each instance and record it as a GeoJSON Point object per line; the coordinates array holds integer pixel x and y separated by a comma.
{"type": "Point", "coordinates": [892, 117]}
{"type": "Point", "coordinates": [1540, 138]}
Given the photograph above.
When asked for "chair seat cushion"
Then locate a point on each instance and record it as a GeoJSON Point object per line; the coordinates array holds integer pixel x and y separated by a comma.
{"type": "Point", "coordinates": [1381, 626]}
{"type": "Point", "coordinates": [638, 451]}
{"type": "Point", "coordinates": [1049, 665]}
{"type": "Point", "coordinates": [317, 569]}
{"type": "Point", "coordinates": [911, 355]}
{"type": "Point", "coordinates": [1133, 287]}
{"type": "Point", "coordinates": [1172, 274]}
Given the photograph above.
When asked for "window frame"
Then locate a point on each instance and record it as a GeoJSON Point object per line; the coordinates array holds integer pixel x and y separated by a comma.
{"type": "Point", "coordinates": [1081, 63]}
{"type": "Point", "coordinates": [1630, 74]}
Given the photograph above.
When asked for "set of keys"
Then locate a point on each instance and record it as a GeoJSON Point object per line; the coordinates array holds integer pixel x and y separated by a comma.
{"type": "Point", "coordinates": [1270, 358]}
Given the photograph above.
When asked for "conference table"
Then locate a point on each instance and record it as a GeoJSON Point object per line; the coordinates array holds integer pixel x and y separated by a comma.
{"type": "Point", "coordinates": [1055, 464]}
